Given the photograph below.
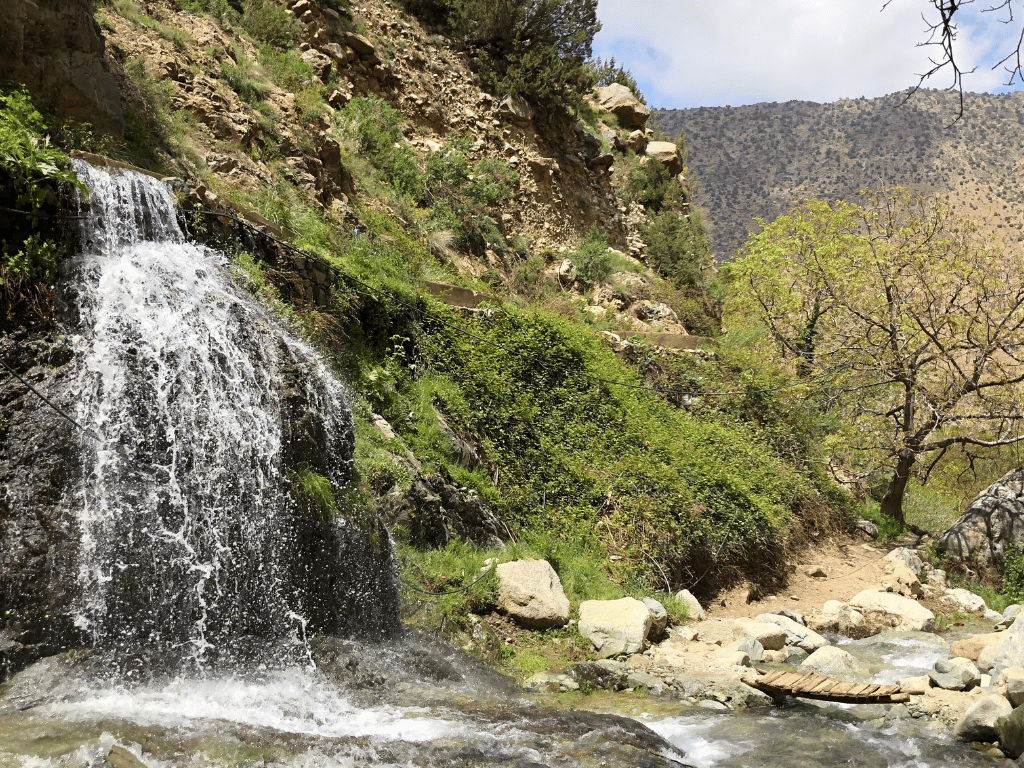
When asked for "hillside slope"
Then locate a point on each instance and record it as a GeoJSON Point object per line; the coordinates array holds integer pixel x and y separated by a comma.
{"type": "Point", "coordinates": [755, 161]}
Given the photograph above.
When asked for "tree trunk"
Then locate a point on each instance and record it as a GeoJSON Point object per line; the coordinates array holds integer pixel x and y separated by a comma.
{"type": "Point", "coordinates": [892, 502]}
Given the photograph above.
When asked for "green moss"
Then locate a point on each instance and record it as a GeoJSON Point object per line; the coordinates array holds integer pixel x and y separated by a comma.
{"type": "Point", "coordinates": [313, 494]}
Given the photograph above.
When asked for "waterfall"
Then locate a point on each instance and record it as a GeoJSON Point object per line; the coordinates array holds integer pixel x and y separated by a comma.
{"type": "Point", "coordinates": [191, 542]}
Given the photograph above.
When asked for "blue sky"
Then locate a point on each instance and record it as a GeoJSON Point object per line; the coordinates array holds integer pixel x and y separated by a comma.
{"type": "Point", "coordinates": [691, 53]}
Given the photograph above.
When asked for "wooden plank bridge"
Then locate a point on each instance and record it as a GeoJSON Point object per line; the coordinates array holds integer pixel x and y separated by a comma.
{"type": "Point", "coordinates": [779, 683]}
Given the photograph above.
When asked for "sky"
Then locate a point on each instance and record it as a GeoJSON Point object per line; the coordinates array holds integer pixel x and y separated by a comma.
{"type": "Point", "coordinates": [693, 53]}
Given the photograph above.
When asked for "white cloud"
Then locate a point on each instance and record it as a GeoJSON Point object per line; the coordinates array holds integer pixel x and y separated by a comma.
{"type": "Point", "coordinates": [687, 53]}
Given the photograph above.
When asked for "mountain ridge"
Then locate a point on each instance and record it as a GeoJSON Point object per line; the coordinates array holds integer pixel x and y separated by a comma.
{"type": "Point", "coordinates": [755, 161]}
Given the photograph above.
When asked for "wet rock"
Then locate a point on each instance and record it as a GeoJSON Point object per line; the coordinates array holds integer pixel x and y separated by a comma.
{"type": "Point", "coordinates": [835, 662]}
{"type": "Point", "coordinates": [895, 611]}
{"type": "Point", "coordinates": [978, 723]}
{"type": "Point", "coordinates": [615, 627]}
{"type": "Point", "coordinates": [550, 682]}
{"type": "Point", "coordinates": [606, 675]}
{"type": "Point", "coordinates": [956, 674]}
{"type": "Point", "coordinates": [531, 593]}
{"type": "Point", "coordinates": [119, 757]}
{"type": "Point", "coordinates": [1010, 729]}
{"type": "Point", "coordinates": [796, 634]}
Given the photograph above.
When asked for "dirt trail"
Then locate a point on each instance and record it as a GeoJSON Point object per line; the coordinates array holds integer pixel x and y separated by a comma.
{"type": "Point", "coordinates": [848, 566]}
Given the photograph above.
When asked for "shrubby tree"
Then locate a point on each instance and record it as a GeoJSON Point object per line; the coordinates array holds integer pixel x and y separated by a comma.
{"type": "Point", "coordinates": [538, 49]}
{"type": "Point", "coordinates": [898, 315]}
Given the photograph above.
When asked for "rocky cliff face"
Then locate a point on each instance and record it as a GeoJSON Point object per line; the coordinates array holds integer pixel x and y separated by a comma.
{"type": "Point", "coordinates": [54, 48]}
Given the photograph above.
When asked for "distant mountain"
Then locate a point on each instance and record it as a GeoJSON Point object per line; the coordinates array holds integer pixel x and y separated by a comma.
{"type": "Point", "coordinates": [755, 161]}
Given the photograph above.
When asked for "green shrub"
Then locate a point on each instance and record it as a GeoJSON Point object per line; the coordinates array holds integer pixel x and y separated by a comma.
{"type": "Point", "coordinates": [652, 186]}
{"type": "Point", "coordinates": [1013, 576]}
{"type": "Point", "coordinates": [268, 22]}
{"type": "Point", "coordinates": [244, 80]}
{"type": "Point", "coordinates": [286, 69]}
{"type": "Point", "coordinates": [592, 258]}
{"type": "Point", "coordinates": [677, 247]}
{"type": "Point", "coordinates": [610, 71]}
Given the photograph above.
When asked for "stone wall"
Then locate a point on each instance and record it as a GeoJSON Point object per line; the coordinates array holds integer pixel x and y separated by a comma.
{"type": "Point", "coordinates": [54, 48]}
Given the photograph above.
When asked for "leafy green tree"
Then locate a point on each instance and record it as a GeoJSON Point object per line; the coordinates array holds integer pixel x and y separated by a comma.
{"type": "Point", "coordinates": [898, 315]}
{"type": "Point", "coordinates": [677, 247]}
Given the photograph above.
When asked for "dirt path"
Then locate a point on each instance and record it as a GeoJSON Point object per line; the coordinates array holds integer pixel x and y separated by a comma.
{"type": "Point", "coordinates": [836, 570]}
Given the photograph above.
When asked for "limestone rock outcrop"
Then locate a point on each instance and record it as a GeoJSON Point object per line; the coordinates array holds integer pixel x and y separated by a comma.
{"type": "Point", "coordinates": [992, 521]}
{"type": "Point", "coordinates": [666, 153]}
{"type": "Point", "coordinates": [621, 102]}
{"type": "Point", "coordinates": [54, 48]}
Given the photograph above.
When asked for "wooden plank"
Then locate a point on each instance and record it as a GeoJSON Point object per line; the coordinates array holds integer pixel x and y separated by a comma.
{"type": "Point", "coordinates": [844, 688]}
{"type": "Point", "coordinates": [824, 687]}
{"type": "Point", "coordinates": [772, 675]}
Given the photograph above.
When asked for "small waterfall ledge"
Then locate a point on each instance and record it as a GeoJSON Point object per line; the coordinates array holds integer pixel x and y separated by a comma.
{"type": "Point", "coordinates": [175, 533]}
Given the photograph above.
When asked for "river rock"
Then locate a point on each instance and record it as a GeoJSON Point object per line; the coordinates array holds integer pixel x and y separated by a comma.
{"type": "Point", "coordinates": [978, 723]}
{"type": "Point", "coordinates": [530, 592]}
{"type": "Point", "coordinates": [693, 607]}
{"type": "Point", "coordinates": [768, 635]}
{"type": "Point", "coordinates": [957, 674]}
{"type": "Point", "coordinates": [904, 581]}
{"type": "Point", "coordinates": [971, 647]}
{"type": "Point", "coordinates": [1012, 679]}
{"type": "Point", "coordinates": [627, 108]}
{"type": "Point", "coordinates": [963, 598]}
{"type": "Point", "coordinates": [604, 674]}
{"type": "Point", "coordinates": [1011, 733]}
{"type": "Point", "coordinates": [659, 619]}
{"type": "Point", "coordinates": [915, 686]}
{"type": "Point", "coordinates": [119, 757]}
{"type": "Point", "coordinates": [936, 577]}
{"type": "Point", "coordinates": [1008, 651]}
{"type": "Point", "coordinates": [550, 682]}
{"type": "Point", "coordinates": [992, 521]}
{"type": "Point", "coordinates": [895, 611]}
{"type": "Point", "coordinates": [835, 662]}
{"type": "Point", "coordinates": [837, 616]}
{"type": "Point", "coordinates": [796, 634]}
{"type": "Point", "coordinates": [615, 627]}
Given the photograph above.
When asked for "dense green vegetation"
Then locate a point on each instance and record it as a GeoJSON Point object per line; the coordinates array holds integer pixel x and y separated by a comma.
{"type": "Point", "coordinates": [33, 175]}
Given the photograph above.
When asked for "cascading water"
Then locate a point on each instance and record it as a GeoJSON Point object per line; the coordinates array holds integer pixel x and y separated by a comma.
{"type": "Point", "coordinates": [204, 409]}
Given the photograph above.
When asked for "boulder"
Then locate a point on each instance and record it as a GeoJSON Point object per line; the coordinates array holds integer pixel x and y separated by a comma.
{"type": "Point", "coordinates": [840, 616]}
{"type": "Point", "coordinates": [904, 581]}
{"type": "Point", "coordinates": [1012, 678]}
{"type": "Point", "coordinates": [659, 618]}
{"type": "Point", "coordinates": [994, 520]}
{"type": "Point", "coordinates": [692, 605]}
{"type": "Point", "coordinates": [957, 674]}
{"type": "Point", "coordinates": [320, 63]}
{"type": "Point", "coordinates": [615, 627]}
{"type": "Point", "coordinates": [550, 682]}
{"type": "Point", "coordinates": [516, 109]}
{"type": "Point", "coordinates": [835, 662]}
{"type": "Point", "coordinates": [963, 598]}
{"type": "Point", "coordinates": [530, 592]}
{"type": "Point", "coordinates": [894, 611]}
{"type": "Point", "coordinates": [666, 153]}
{"type": "Point", "coordinates": [907, 557]}
{"type": "Point", "coordinates": [978, 723]}
{"type": "Point", "coordinates": [915, 686]}
{"type": "Point", "coordinates": [797, 634]}
{"type": "Point", "coordinates": [971, 647]}
{"type": "Point", "coordinates": [605, 674]}
{"type": "Point", "coordinates": [620, 101]}
{"type": "Point", "coordinates": [637, 141]}
{"type": "Point", "coordinates": [1007, 651]}
{"type": "Point", "coordinates": [359, 44]}
{"type": "Point", "coordinates": [769, 636]}
{"type": "Point", "coordinates": [566, 271]}
{"type": "Point", "coordinates": [1010, 729]}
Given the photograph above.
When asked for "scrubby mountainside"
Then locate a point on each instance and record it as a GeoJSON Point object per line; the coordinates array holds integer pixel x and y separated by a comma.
{"type": "Point", "coordinates": [756, 160]}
